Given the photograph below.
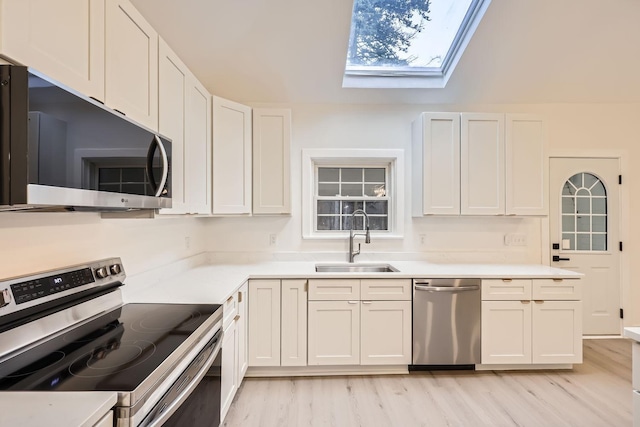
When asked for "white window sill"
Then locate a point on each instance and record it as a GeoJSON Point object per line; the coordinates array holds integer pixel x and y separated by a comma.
{"type": "Point", "coordinates": [345, 236]}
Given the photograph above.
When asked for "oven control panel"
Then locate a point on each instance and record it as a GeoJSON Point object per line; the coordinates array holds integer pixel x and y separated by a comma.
{"type": "Point", "coordinates": [23, 292]}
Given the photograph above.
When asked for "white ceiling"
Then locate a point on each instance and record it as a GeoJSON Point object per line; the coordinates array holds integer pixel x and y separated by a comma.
{"type": "Point", "coordinates": [293, 51]}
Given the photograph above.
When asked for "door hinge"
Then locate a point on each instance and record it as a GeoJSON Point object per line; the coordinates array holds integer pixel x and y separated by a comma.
{"type": "Point", "coordinates": [621, 313]}
{"type": "Point", "coordinates": [619, 179]}
{"type": "Point", "coordinates": [620, 246]}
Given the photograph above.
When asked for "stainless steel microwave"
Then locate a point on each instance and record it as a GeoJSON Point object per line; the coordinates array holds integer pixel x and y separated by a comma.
{"type": "Point", "coordinates": [63, 150]}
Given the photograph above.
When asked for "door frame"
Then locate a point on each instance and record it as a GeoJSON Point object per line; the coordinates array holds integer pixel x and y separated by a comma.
{"type": "Point", "coordinates": [623, 223]}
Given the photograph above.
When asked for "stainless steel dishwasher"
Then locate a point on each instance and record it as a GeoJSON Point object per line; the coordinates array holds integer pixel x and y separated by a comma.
{"type": "Point", "coordinates": [446, 323]}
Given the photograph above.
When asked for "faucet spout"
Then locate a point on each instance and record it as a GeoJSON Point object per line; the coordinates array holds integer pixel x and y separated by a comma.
{"type": "Point", "coordinates": [366, 234]}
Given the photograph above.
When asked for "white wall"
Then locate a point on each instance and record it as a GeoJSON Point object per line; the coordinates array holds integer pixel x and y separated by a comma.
{"type": "Point", "coordinates": [574, 128]}
{"type": "Point", "coordinates": [31, 242]}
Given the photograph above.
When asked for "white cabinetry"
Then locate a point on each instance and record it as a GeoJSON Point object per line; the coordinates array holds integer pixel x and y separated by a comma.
{"type": "Point", "coordinates": [234, 347]}
{"type": "Point", "coordinates": [131, 59]}
{"type": "Point", "coordinates": [277, 322]}
{"type": "Point", "coordinates": [106, 421]}
{"type": "Point", "coordinates": [271, 164]}
{"type": "Point", "coordinates": [63, 39]}
{"type": "Point", "coordinates": [479, 164]}
{"type": "Point", "coordinates": [359, 322]}
{"type": "Point", "coordinates": [185, 117]}
{"type": "Point", "coordinates": [519, 327]}
{"type": "Point", "coordinates": [231, 158]}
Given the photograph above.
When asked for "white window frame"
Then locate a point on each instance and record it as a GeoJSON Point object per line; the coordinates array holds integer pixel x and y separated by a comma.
{"type": "Point", "coordinates": [393, 159]}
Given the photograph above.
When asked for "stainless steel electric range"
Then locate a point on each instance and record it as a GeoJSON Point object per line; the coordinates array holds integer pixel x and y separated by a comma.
{"type": "Point", "coordinates": [68, 330]}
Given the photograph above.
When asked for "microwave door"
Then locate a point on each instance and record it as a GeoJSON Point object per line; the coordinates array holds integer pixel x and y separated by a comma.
{"type": "Point", "coordinates": [159, 189]}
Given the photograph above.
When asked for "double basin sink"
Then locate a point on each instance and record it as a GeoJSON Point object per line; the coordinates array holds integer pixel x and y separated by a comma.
{"type": "Point", "coordinates": [355, 268]}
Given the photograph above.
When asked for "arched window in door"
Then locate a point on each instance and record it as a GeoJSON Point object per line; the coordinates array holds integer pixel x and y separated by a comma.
{"type": "Point", "coordinates": [584, 213]}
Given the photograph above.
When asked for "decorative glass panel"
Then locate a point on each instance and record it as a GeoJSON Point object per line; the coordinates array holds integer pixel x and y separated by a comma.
{"type": "Point", "coordinates": [584, 213]}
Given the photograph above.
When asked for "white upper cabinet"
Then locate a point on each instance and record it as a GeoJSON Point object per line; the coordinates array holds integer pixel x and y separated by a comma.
{"type": "Point", "coordinates": [231, 158]}
{"type": "Point", "coordinates": [131, 76]}
{"type": "Point", "coordinates": [482, 164]}
{"type": "Point", "coordinates": [271, 165]}
{"type": "Point", "coordinates": [436, 164]}
{"type": "Point", "coordinates": [479, 164]}
{"type": "Point", "coordinates": [62, 39]}
{"type": "Point", "coordinates": [527, 165]}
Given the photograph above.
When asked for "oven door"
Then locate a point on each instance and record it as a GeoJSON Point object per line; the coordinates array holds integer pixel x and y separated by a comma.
{"type": "Point", "coordinates": [182, 405]}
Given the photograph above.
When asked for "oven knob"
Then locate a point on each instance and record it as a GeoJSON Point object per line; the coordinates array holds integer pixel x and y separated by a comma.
{"type": "Point", "coordinates": [102, 272]}
{"type": "Point", "coordinates": [115, 269]}
{"type": "Point", "coordinates": [5, 297]}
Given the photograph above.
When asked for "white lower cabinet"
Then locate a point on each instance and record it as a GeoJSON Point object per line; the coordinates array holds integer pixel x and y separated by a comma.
{"type": "Point", "coordinates": [241, 326]}
{"type": "Point", "coordinates": [293, 333]}
{"type": "Point", "coordinates": [517, 329]}
{"type": "Point", "coordinates": [352, 330]}
{"type": "Point", "coordinates": [105, 421]}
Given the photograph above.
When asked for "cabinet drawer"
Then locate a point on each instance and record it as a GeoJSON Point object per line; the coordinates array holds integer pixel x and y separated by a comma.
{"type": "Point", "coordinates": [385, 290]}
{"type": "Point", "coordinates": [334, 290]}
{"type": "Point", "coordinates": [229, 309]}
{"type": "Point", "coordinates": [506, 289]}
{"type": "Point", "coordinates": [556, 289]}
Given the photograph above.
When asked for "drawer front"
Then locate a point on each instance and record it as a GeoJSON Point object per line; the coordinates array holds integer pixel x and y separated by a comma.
{"type": "Point", "coordinates": [334, 290]}
{"type": "Point", "coordinates": [229, 309]}
{"type": "Point", "coordinates": [385, 290]}
{"type": "Point", "coordinates": [557, 289]}
{"type": "Point", "coordinates": [506, 289]}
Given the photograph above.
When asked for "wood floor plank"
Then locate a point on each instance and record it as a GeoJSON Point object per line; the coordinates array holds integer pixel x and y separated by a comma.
{"type": "Point", "coordinates": [596, 393]}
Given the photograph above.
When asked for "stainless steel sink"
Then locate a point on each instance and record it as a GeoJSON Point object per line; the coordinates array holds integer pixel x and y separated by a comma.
{"type": "Point", "coordinates": [355, 268]}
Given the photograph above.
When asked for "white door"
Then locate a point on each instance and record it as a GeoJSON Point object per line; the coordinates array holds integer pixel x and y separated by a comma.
{"type": "Point", "coordinates": [584, 223]}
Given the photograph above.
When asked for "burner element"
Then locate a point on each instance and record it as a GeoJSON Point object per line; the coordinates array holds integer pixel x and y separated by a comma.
{"type": "Point", "coordinates": [163, 320]}
{"type": "Point", "coordinates": [45, 362]}
{"type": "Point", "coordinates": [111, 358]}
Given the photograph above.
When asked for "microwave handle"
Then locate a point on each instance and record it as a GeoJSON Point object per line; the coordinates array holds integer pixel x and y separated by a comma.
{"type": "Point", "coordinates": [156, 143]}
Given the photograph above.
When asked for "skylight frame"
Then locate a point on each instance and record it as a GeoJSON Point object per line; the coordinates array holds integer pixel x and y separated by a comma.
{"type": "Point", "coordinates": [419, 77]}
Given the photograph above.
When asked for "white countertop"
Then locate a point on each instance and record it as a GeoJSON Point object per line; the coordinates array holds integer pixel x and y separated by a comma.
{"type": "Point", "coordinates": [213, 284]}
{"type": "Point", "coordinates": [55, 408]}
{"type": "Point", "coordinates": [632, 332]}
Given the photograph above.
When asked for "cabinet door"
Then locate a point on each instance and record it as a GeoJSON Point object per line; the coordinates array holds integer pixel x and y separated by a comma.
{"type": "Point", "coordinates": [506, 332]}
{"type": "Point", "coordinates": [229, 378]}
{"type": "Point", "coordinates": [63, 39]}
{"type": "Point", "coordinates": [385, 337]}
{"type": "Point", "coordinates": [242, 327]}
{"type": "Point", "coordinates": [197, 148]}
{"type": "Point", "coordinates": [231, 157]}
{"type": "Point", "coordinates": [264, 323]}
{"type": "Point", "coordinates": [172, 98]}
{"type": "Point", "coordinates": [557, 332]}
{"type": "Point", "coordinates": [105, 421]}
{"type": "Point", "coordinates": [436, 164]}
{"type": "Point", "coordinates": [294, 323]}
{"type": "Point", "coordinates": [334, 333]}
{"type": "Point", "coordinates": [271, 161]}
{"type": "Point", "coordinates": [527, 165]}
{"type": "Point", "coordinates": [131, 63]}
{"type": "Point", "coordinates": [482, 164]}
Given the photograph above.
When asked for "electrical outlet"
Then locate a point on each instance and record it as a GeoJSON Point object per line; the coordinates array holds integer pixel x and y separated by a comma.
{"type": "Point", "coordinates": [423, 239]}
{"type": "Point", "coordinates": [515, 239]}
{"type": "Point", "coordinates": [187, 242]}
{"type": "Point", "coordinates": [272, 239]}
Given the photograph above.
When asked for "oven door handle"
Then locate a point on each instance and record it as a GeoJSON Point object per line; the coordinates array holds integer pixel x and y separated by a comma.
{"type": "Point", "coordinates": [188, 388]}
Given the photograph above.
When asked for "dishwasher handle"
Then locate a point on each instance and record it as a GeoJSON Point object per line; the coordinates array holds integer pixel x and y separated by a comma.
{"type": "Point", "coordinates": [446, 288]}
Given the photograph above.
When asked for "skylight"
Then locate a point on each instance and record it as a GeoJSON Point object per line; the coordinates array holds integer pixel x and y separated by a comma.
{"type": "Point", "coordinates": [408, 43]}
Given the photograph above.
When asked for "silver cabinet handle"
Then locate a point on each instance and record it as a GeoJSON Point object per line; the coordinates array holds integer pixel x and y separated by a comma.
{"type": "Point", "coordinates": [446, 288]}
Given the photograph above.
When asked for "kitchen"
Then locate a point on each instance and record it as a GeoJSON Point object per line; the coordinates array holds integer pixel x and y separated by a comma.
{"type": "Point", "coordinates": [582, 118]}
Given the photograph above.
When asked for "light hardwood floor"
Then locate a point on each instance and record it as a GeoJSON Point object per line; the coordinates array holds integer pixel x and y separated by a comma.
{"type": "Point", "coordinates": [595, 393]}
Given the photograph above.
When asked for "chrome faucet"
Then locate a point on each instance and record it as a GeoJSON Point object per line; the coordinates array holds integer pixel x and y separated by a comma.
{"type": "Point", "coordinates": [367, 236]}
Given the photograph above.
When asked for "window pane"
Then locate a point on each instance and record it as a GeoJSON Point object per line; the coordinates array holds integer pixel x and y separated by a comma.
{"type": "Point", "coordinates": [328, 207]}
{"type": "Point", "coordinates": [350, 207]}
{"type": "Point", "coordinates": [576, 180]}
{"type": "Point", "coordinates": [374, 175]}
{"type": "Point", "coordinates": [598, 190]}
{"type": "Point", "coordinates": [589, 180]}
{"type": "Point", "coordinates": [376, 207]}
{"type": "Point", "coordinates": [599, 242]}
{"type": "Point", "coordinates": [568, 189]}
{"type": "Point", "coordinates": [583, 205]}
{"type": "Point", "coordinates": [352, 190]}
{"type": "Point", "coordinates": [134, 175]}
{"type": "Point", "coordinates": [358, 224]}
{"type": "Point", "coordinates": [599, 223]}
{"type": "Point", "coordinates": [583, 192]}
{"type": "Point", "coordinates": [599, 206]}
{"type": "Point", "coordinates": [328, 174]}
{"type": "Point", "coordinates": [351, 174]}
{"type": "Point", "coordinates": [583, 223]}
{"type": "Point", "coordinates": [374, 190]}
{"type": "Point", "coordinates": [378, 223]}
{"type": "Point", "coordinates": [328, 222]}
{"type": "Point", "coordinates": [109, 175]}
{"type": "Point", "coordinates": [583, 242]}
{"type": "Point", "coordinates": [572, 241]}
{"type": "Point", "coordinates": [568, 205]}
{"type": "Point", "coordinates": [328, 190]}
{"type": "Point", "coordinates": [568, 223]}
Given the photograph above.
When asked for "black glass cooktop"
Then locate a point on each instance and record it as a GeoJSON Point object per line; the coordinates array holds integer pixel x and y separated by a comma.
{"type": "Point", "coordinates": [114, 352]}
